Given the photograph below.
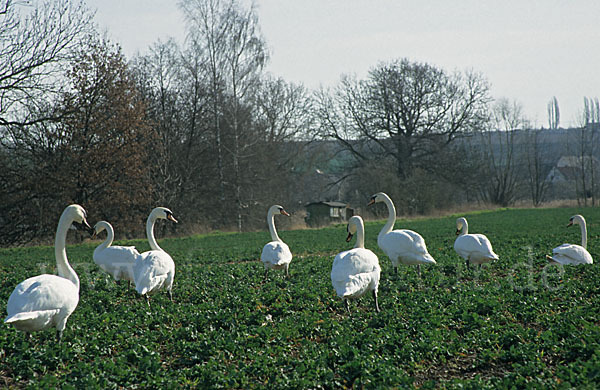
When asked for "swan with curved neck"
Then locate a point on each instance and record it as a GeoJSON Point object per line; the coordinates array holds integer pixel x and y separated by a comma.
{"type": "Point", "coordinates": [571, 253]}
{"type": "Point", "coordinates": [118, 261]}
{"type": "Point", "coordinates": [356, 271]}
{"type": "Point", "coordinates": [154, 270]}
{"type": "Point", "coordinates": [401, 246]}
{"type": "Point", "coordinates": [46, 301]}
{"type": "Point", "coordinates": [157, 213]}
{"type": "Point", "coordinates": [474, 248]}
{"type": "Point", "coordinates": [276, 254]}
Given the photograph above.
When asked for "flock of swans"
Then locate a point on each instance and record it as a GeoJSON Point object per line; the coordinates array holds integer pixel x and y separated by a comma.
{"type": "Point", "coordinates": [47, 301]}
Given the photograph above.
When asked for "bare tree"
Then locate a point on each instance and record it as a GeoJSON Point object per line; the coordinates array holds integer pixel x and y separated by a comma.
{"type": "Point", "coordinates": [96, 155]}
{"type": "Point", "coordinates": [35, 46]}
{"type": "Point", "coordinates": [245, 57]}
{"type": "Point", "coordinates": [208, 27]}
{"type": "Point", "coordinates": [553, 114]}
{"type": "Point", "coordinates": [409, 111]}
{"type": "Point", "coordinates": [500, 152]}
{"type": "Point", "coordinates": [586, 149]}
{"type": "Point", "coordinates": [538, 167]}
{"type": "Point", "coordinates": [229, 35]}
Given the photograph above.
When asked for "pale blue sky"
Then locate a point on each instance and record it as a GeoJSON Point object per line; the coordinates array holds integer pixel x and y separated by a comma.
{"type": "Point", "coordinates": [528, 50]}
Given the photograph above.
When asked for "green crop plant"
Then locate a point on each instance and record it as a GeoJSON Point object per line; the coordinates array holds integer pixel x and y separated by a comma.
{"type": "Point", "coordinates": [516, 322]}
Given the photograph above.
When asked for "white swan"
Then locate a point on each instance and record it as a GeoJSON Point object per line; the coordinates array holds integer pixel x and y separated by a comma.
{"type": "Point", "coordinates": [356, 271]}
{"type": "Point", "coordinates": [571, 253]}
{"type": "Point", "coordinates": [115, 260]}
{"type": "Point", "coordinates": [46, 301]}
{"type": "Point", "coordinates": [276, 254]}
{"type": "Point", "coordinates": [154, 269]}
{"type": "Point", "coordinates": [401, 246]}
{"type": "Point", "coordinates": [474, 248]}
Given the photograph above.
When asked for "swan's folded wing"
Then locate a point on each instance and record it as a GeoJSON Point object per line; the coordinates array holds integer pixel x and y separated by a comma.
{"type": "Point", "coordinates": [353, 271]}
{"type": "Point", "coordinates": [43, 292]}
{"type": "Point", "coordinates": [151, 270]}
{"type": "Point", "coordinates": [571, 254]}
{"type": "Point", "coordinates": [30, 315]}
{"type": "Point", "coordinates": [276, 252]}
{"type": "Point", "coordinates": [117, 261]}
{"type": "Point", "coordinates": [150, 284]}
{"type": "Point", "coordinates": [468, 244]}
{"type": "Point", "coordinates": [405, 244]}
{"type": "Point", "coordinates": [352, 285]}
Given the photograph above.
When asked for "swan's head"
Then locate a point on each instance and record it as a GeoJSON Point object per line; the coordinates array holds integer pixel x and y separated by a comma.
{"type": "Point", "coordinates": [378, 197]}
{"type": "Point", "coordinates": [576, 220]}
{"type": "Point", "coordinates": [77, 214]}
{"type": "Point", "coordinates": [277, 209]}
{"type": "Point", "coordinates": [163, 213]}
{"type": "Point", "coordinates": [353, 224]}
{"type": "Point", "coordinates": [460, 222]}
{"type": "Point", "coordinates": [99, 227]}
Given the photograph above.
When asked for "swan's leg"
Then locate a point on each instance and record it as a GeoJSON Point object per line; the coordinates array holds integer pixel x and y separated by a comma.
{"type": "Point", "coordinates": [467, 262]}
{"type": "Point", "coordinates": [419, 270]}
{"type": "Point", "coordinates": [347, 305]}
{"type": "Point", "coordinates": [147, 299]}
{"type": "Point", "coordinates": [266, 271]}
{"type": "Point", "coordinates": [287, 272]}
{"type": "Point", "coordinates": [59, 335]}
{"type": "Point", "coordinates": [170, 295]}
{"type": "Point", "coordinates": [396, 270]}
{"type": "Point", "coordinates": [376, 303]}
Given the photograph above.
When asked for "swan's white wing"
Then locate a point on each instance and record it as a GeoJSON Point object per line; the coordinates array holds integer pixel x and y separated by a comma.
{"type": "Point", "coordinates": [276, 253]}
{"type": "Point", "coordinates": [571, 254]}
{"type": "Point", "coordinates": [405, 246]}
{"type": "Point", "coordinates": [354, 272]}
{"type": "Point", "coordinates": [41, 302]}
{"type": "Point", "coordinates": [152, 271]}
{"type": "Point", "coordinates": [476, 247]}
{"type": "Point", "coordinates": [118, 261]}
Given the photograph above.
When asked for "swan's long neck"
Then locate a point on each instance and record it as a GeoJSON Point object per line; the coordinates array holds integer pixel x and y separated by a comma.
{"type": "Point", "coordinates": [583, 234]}
{"type": "Point", "coordinates": [60, 252]}
{"type": "Point", "coordinates": [110, 236]}
{"type": "Point", "coordinates": [465, 227]}
{"type": "Point", "coordinates": [360, 236]}
{"type": "Point", "coordinates": [150, 233]}
{"type": "Point", "coordinates": [272, 230]}
{"type": "Point", "coordinates": [391, 217]}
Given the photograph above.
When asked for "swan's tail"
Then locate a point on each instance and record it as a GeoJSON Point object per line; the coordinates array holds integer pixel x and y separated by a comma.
{"type": "Point", "coordinates": [428, 259]}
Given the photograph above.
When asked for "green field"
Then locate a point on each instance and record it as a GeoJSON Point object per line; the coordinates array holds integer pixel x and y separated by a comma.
{"type": "Point", "coordinates": [516, 322]}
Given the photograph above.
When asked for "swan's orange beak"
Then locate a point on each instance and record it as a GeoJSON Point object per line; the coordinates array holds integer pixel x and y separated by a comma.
{"type": "Point", "coordinates": [349, 237]}
{"type": "Point", "coordinates": [285, 213]}
{"type": "Point", "coordinates": [570, 223]}
{"type": "Point", "coordinates": [170, 217]}
{"type": "Point", "coordinates": [457, 232]}
{"type": "Point", "coordinates": [372, 201]}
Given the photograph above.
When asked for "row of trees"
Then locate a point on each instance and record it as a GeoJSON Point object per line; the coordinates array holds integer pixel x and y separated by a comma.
{"type": "Point", "coordinates": [203, 129]}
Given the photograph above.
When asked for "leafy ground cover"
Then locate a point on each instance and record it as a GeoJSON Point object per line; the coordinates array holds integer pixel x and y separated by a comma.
{"type": "Point", "coordinates": [515, 323]}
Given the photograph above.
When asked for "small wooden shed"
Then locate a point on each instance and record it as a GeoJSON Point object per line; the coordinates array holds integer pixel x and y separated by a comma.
{"type": "Point", "coordinates": [325, 213]}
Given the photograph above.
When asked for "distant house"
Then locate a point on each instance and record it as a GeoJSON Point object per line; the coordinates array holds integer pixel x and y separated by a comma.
{"type": "Point", "coordinates": [324, 213]}
{"type": "Point", "coordinates": [567, 174]}
{"type": "Point", "coordinates": [568, 169]}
